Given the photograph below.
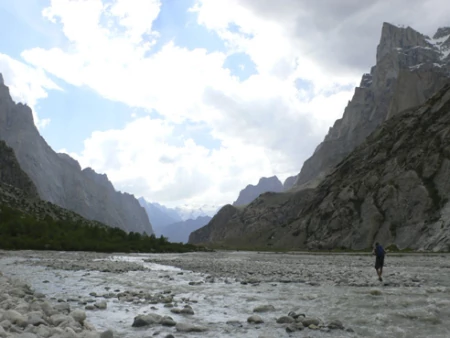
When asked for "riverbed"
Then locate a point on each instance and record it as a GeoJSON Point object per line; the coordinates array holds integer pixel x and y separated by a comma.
{"type": "Point", "coordinates": [215, 294]}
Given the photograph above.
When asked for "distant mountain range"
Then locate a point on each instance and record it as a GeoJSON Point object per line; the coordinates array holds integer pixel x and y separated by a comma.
{"type": "Point", "coordinates": [180, 231]}
{"type": "Point", "coordinates": [176, 223]}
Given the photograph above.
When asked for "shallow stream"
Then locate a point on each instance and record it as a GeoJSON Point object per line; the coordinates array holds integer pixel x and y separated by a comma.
{"type": "Point", "coordinates": [412, 301]}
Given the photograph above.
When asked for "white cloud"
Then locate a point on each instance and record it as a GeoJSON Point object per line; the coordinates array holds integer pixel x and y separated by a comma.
{"type": "Point", "coordinates": [26, 84]}
{"type": "Point", "coordinates": [265, 124]}
{"type": "Point", "coordinates": [147, 158]}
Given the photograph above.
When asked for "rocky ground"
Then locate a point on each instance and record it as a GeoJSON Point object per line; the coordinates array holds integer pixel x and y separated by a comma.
{"type": "Point", "coordinates": [28, 314]}
{"type": "Point", "coordinates": [223, 294]}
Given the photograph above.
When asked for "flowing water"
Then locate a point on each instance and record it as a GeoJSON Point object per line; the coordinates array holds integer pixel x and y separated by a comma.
{"type": "Point", "coordinates": [412, 301]}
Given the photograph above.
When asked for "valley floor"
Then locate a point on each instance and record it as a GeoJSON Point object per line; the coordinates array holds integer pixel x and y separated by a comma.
{"type": "Point", "coordinates": [214, 294]}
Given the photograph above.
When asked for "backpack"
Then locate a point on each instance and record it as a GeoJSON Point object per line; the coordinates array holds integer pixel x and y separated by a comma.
{"type": "Point", "coordinates": [379, 251]}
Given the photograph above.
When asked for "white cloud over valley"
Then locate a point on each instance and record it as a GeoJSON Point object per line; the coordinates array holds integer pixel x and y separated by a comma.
{"type": "Point", "coordinates": [307, 58]}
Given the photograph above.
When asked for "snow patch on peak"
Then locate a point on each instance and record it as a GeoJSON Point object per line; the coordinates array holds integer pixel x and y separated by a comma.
{"type": "Point", "coordinates": [441, 43]}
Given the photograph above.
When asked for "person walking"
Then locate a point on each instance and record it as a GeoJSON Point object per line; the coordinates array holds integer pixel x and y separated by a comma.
{"type": "Point", "coordinates": [379, 252]}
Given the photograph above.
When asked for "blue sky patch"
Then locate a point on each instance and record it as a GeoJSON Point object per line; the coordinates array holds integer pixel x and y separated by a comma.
{"type": "Point", "coordinates": [240, 65]}
{"type": "Point", "coordinates": [83, 110]}
{"type": "Point", "coordinates": [198, 132]}
{"type": "Point", "coordinates": [24, 27]}
{"type": "Point", "coordinates": [176, 23]}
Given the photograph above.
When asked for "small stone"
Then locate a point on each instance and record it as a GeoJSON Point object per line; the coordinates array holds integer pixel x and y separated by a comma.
{"type": "Point", "coordinates": [101, 305]}
{"type": "Point", "coordinates": [336, 325]}
{"type": "Point", "coordinates": [89, 307]}
{"type": "Point", "coordinates": [168, 321]}
{"type": "Point", "coordinates": [285, 320]}
{"type": "Point", "coordinates": [313, 327]}
{"type": "Point", "coordinates": [78, 315]}
{"type": "Point", "coordinates": [264, 308]}
{"type": "Point", "coordinates": [15, 318]}
{"type": "Point", "coordinates": [43, 331]}
{"type": "Point", "coordinates": [107, 334]}
{"type": "Point", "coordinates": [235, 323]}
{"type": "Point", "coordinates": [255, 319]}
{"type": "Point", "coordinates": [187, 310]}
{"type": "Point", "coordinates": [295, 315]}
{"type": "Point", "coordinates": [48, 309]}
{"type": "Point", "coordinates": [294, 327]}
{"type": "Point", "coordinates": [375, 292]}
{"type": "Point", "coordinates": [58, 319]}
{"type": "Point", "coordinates": [62, 307]}
{"type": "Point", "coordinates": [35, 319]}
{"type": "Point", "coordinates": [145, 320]}
{"type": "Point", "coordinates": [6, 324]}
{"type": "Point", "coordinates": [183, 327]}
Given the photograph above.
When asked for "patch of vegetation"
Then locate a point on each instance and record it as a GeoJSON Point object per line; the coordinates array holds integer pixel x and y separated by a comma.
{"type": "Point", "coordinates": [21, 231]}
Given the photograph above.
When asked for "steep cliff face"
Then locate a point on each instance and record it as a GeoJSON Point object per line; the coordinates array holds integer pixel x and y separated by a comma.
{"type": "Point", "coordinates": [18, 192]}
{"type": "Point", "coordinates": [59, 178]}
{"type": "Point", "coordinates": [265, 184]}
{"type": "Point", "coordinates": [11, 174]}
{"type": "Point", "coordinates": [289, 183]}
{"type": "Point", "coordinates": [410, 67]}
{"type": "Point", "coordinates": [394, 188]}
{"type": "Point", "coordinates": [216, 230]}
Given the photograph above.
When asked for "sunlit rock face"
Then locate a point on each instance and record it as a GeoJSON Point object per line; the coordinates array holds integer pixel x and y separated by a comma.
{"type": "Point", "coordinates": [59, 178]}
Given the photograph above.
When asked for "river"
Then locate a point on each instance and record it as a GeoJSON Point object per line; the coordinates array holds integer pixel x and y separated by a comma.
{"type": "Point", "coordinates": [223, 289]}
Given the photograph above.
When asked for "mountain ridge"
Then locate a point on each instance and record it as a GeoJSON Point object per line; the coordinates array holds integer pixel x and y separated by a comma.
{"type": "Point", "coordinates": [251, 192]}
{"type": "Point", "coordinates": [59, 178]}
{"type": "Point", "coordinates": [325, 209]}
{"type": "Point", "coordinates": [403, 56]}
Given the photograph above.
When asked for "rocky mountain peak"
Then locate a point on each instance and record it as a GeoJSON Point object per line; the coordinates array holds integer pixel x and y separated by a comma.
{"type": "Point", "coordinates": [442, 32]}
{"type": "Point", "coordinates": [393, 37]}
{"type": "Point", "coordinates": [410, 68]}
{"type": "Point", "coordinates": [269, 180]}
{"type": "Point", "coordinates": [1, 80]}
{"type": "Point", "coordinates": [366, 80]}
{"type": "Point", "coordinates": [265, 184]}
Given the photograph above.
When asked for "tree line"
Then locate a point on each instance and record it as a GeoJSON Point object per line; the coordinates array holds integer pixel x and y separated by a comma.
{"type": "Point", "coordinates": [21, 231]}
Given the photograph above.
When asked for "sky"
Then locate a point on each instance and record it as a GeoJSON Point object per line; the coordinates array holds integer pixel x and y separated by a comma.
{"type": "Point", "coordinates": [185, 102]}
